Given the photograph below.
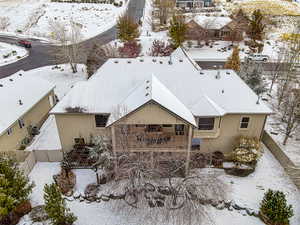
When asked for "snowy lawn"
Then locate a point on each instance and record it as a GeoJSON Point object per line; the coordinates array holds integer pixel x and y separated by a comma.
{"type": "Point", "coordinates": [11, 53]}
{"type": "Point", "coordinates": [247, 191]}
{"type": "Point", "coordinates": [31, 17]}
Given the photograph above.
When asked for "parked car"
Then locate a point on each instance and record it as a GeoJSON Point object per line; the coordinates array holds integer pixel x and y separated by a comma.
{"type": "Point", "coordinates": [24, 43]}
{"type": "Point", "coordinates": [258, 57]}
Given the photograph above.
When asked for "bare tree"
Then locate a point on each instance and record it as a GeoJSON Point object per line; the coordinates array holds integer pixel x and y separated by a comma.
{"type": "Point", "coordinates": [287, 114]}
{"type": "Point", "coordinates": [4, 23]}
{"type": "Point", "coordinates": [98, 55]}
{"type": "Point", "coordinates": [70, 49]}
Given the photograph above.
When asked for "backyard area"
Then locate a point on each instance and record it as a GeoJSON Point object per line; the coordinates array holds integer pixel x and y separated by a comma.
{"type": "Point", "coordinates": [247, 191]}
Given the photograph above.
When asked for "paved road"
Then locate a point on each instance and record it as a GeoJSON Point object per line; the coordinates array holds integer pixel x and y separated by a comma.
{"type": "Point", "coordinates": [41, 53]}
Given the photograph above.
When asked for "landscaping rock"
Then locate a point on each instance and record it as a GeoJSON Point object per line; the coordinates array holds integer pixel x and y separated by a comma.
{"type": "Point", "coordinates": [91, 192]}
{"type": "Point", "coordinates": [38, 214]}
{"type": "Point", "coordinates": [23, 208]}
{"type": "Point", "coordinates": [240, 172]}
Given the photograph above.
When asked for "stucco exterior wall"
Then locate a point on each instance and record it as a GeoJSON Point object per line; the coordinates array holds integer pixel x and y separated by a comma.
{"type": "Point", "coordinates": [35, 117]}
{"type": "Point", "coordinates": [151, 114]}
{"type": "Point", "coordinates": [230, 131]}
{"type": "Point", "coordinates": [72, 126]}
{"type": "Point", "coordinates": [222, 138]}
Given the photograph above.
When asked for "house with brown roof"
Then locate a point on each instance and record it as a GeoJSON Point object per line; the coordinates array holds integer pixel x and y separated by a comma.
{"type": "Point", "coordinates": [216, 28]}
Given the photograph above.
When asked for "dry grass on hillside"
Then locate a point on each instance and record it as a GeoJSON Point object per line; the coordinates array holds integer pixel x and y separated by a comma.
{"type": "Point", "coordinates": [271, 7]}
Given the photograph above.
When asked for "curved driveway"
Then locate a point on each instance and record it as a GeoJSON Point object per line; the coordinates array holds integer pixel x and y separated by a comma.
{"type": "Point", "coordinates": [41, 53]}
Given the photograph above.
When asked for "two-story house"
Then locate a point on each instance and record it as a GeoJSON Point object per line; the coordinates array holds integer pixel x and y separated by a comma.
{"type": "Point", "coordinates": [25, 103]}
{"type": "Point", "coordinates": [160, 104]}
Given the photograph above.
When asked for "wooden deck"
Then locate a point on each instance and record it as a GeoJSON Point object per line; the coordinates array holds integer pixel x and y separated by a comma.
{"type": "Point", "coordinates": [164, 140]}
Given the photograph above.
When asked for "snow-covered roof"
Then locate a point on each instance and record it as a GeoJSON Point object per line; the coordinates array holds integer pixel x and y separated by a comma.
{"type": "Point", "coordinates": [180, 54]}
{"type": "Point", "coordinates": [212, 22]}
{"type": "Point", "coordinates": [152, 89]}
{"type": "Point", "coordinates": [18, 88]}
{"type": "Point", "coordinates": [202, 92]}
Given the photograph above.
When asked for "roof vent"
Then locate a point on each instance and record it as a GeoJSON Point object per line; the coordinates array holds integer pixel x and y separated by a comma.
{"type": "Point", "coordinates": [228, 73]}
{"type": "Point", "coordinates": [128, 61]}
{"type": "Point", "coordinates": [218, 76]}
{"type": "Point", "coordinates": [1, 85]}
{"type": "Point", "coordinates": [20, 74]}
{"type": "Point", "coordinates": [170, 61]}
{"type": "Point", "coordinates": [141, 60]}
{"type": "Point", "coordinates": [201, 73]}
{"type": "Point", "coordinates": [153, 60]}
{"type": "Point", "coordinates": [161, 62]}
{"type": "Point", "coordinates": [147, 94]}
{"type": "Point", "coordinates": [11, 80]}
{"type": "Point", "coordinates": [223, 91]}
{"type": "Point", "coordinates": [20, 102]}
{"type": "Point", "coordinates": [116, 61]}
{"type": "Point", "coordinates": [180, 60]}
{"type": "Point", "coordinates": [147, 81]}
{"type": "Point", "coordinates": [147, 87]}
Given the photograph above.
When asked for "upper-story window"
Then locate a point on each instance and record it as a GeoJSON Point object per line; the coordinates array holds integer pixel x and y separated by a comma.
{"type": "Point", "coordinates": [101, 120]}
{"type": "Point", "coordinates": [179, 129]}
{"type": "Point", "coordinates": [206, 123]}
{"type": "Point", "coordinates": [21, 123]}
{"type": "Point", "coordinates": [245, 120]}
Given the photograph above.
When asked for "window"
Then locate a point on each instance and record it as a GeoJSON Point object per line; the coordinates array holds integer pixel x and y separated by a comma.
{"type": "Point", "coordinates": [153, 128]}
{"type": "Point", "coordinates": [167, 125]}
{"type": "Point", "coordinates": [21, 123]}
{"type": "Point", "coordinates": [179, 129]}
{"type": "Point", "coordinates": [245, 122]}
{"type": "Point", "coordinates": [9, 131]}
{"type": "Point", "coordinates": [206, 123]}
{"type": "Point", "coordinates": [79, 141]}
{"type": "Point", "coordinates": [101, 120]}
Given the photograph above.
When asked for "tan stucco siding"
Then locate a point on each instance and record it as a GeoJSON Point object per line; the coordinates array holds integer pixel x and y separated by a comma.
{"type": "Point", "coordinates": [72, 126]}
{"type": "Point", "coordinates": [151, 114]}
{"type": "Point", "coordinates": [230, 131]}
{"type": "Point", "coordinates": [34, 117]}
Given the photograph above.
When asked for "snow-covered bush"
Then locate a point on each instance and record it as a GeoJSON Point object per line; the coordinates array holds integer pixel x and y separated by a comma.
{"type": "Point", "coordinates": [247, 151]}
{"type": "Point", "coordinates": [274, 208]}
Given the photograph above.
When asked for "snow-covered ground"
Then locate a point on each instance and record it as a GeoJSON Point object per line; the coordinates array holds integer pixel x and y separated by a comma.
{"type": "Point", "coordinates": [64, 80]}
{"type": "Point", "coordinates": [31, 17]}
{"type": "Point", "coordinates": [216, 52]}
{"type": "Point", "coordinates": [11, 53]}
{"type": "Point", "coordinates": [247, 191]}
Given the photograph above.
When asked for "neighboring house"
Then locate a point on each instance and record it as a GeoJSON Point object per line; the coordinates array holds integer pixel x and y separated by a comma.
{"type": "Point", "coordinates": [160, 104]}
{"type": "Point", "coordinates": [194, 3]}
{"type": "Point", "coordinates": [214, 28]}
{"type": "Point", "coordinates": [25, 103]}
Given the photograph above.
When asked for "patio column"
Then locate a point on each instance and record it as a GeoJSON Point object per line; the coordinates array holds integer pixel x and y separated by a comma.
{"type": "Point", "coordinates": [113, 138]}
{"type": "Point", "coordinates": [188, 155]}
